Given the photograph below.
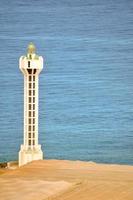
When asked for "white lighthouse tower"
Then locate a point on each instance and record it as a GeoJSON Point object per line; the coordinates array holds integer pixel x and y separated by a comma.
{"type": "Point", "coordinates": [31, 66]}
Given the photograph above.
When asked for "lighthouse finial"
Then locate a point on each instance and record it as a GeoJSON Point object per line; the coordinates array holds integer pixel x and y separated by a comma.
{"type": "Point", "coordinates": [31, 48]}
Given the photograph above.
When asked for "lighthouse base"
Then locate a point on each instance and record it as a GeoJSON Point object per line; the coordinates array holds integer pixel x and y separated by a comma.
{"type": "Point", "coordinates": [28, 154]}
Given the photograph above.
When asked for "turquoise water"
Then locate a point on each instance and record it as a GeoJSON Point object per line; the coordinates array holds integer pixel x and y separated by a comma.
{"type": "Point", "coordinates": [86, 87]}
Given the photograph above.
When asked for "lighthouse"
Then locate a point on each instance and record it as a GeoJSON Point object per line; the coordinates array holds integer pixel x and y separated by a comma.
{"type": "Point", "coordinates": [30, 65]}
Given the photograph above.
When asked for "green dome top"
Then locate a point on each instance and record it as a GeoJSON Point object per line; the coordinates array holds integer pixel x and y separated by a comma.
{"type": "Point", "coordinates": [31, 48]}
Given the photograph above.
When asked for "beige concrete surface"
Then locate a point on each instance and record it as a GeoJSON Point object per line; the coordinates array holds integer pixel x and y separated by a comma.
{"type": "Point", "coordinates": [67, 180]}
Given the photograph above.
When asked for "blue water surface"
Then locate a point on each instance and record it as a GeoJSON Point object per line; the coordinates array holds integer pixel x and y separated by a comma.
{"type": "Point", "coordinates": [86, 87]}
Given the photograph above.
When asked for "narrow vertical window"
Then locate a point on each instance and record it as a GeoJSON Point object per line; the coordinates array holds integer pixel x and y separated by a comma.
{"type": "Point", "coordinates": [34, 71]}
{"type": "Point", "coordinates": [29, 113]}
{"type": "Point", "coordinates": [30, 85]}
{"type": "Point", "coordinates": [30, 92]}
{"type": "Point", "coordinates": [29, 106]}
{"type": "Point", "coordinates": [28, 63]}
{"type": "Point", "coordinates": [29, 135]}
{"type": "Point", "coordinates": [29, 99]}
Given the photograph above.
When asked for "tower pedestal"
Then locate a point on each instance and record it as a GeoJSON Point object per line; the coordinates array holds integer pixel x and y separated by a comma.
{"type": "Point", "coordinates": [27, 155]}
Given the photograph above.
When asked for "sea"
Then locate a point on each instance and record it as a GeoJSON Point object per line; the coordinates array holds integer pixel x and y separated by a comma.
{"type": "Point", "coordinates": [86, 86]}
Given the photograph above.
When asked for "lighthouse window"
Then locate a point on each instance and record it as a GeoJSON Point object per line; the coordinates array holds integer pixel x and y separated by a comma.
{"type": "Point", "coordinates": [29, 85]}
{"type": "Point", "coordinates": [29, 128]}
{"type": "Point", "coordinates": [33, 78]}
{"type": "Point", "coordinates": [34, 71]}
{"type": "Point", "coordinates": [33, 85]}
{"type": "Point", "coordinates": [33, 92]}
{"type": "Point", "coordinates": [29, 92]}
{"type": "Point", "coordinates": [28, 63]}
{"type": "Point", "coordinates": [29, 121]}
{"type": "Point", "coordinates": [29, 71]}
{"type": "Point", "coordinates": [29, 78]}
{"type": "Point", "coordinates": [29, 99]}
{"type": "Point", "coordinates": [29, 106]}
{"type": "Point", "coordinates": [29, 113]}
{"type": "Point", "coordinates": [29, 135]}
{"type": "Point", "coordinates": [29, 142]}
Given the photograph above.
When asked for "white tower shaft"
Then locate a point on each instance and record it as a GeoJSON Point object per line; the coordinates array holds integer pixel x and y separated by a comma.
{"type": "Point", "coordinates": [30, 65]}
